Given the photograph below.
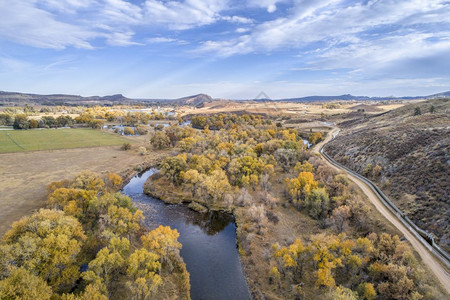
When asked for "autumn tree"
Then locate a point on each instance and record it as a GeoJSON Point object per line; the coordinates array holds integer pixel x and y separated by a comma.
{"type": "Point", "coordinates": [216, 185]}
{"type": "Point", "coordinates": [245, 170]}
{"type": "Point", "coordinates": [315, 138]}
{"type": "Point", "coordinates": [93, 291]}
{"type": "Point", "coordinates": [21, 122]}
{"type": "Point", "coordinates": [75, 202]}
{"type": "Point", "coordinates": [304, 167]}
{"type": "Point", "coordinates": [114, 181]}
{"type": "Point", "coordinates": [143, 268]}
{"type": "Point", "coordinates": [376, 172]}
{"type": "Point", "coordinates": [88, 180]}
{"type": "Point", "coordinates": [34, 124]}
{"type": "Point", "coordinates": [47, 244]}
{"type": "Point", "coordinates": [23, 284]}
{"type": "Point", "coordinates": [128, 131]}
{"type": "Point", "coordinates": [291, 258]}
{"type": "Point", "coordinates": [162, 241]}
{"type": "Point", "coordinates": [173, 166]}
{"type": "Point", "coordinates": [300, 187]}
{"type": "Point", "coordinates": [160, 140]}
{"type": "Point", "coordinates": [108, 263]}
{"type": "Point", "coordinates": [192, 178]}
{"type": "Point", "coordinates": [367, 291]}
{"type": "Point", "coordinates": [123, 222]}
{"type": "Point", "coordinates": [341, 293]}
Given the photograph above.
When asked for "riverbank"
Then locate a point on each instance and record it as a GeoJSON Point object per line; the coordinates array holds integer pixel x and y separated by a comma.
{"type": "Point", "coordinates": [253, 246]}
{"type": "Point", "coordinates": [158, 186]}
{"type": "Point", "coordinates": [208, 239]}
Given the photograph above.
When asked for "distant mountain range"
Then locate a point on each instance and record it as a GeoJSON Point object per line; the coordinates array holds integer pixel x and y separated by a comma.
{"type": "Point", "coordinates": [15, 98]}
{"type": "Point", "coordinates": [349, 97]}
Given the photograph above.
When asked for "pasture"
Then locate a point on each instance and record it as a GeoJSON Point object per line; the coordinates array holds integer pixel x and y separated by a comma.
{"type": "Point", "coordinates": [52, 139]}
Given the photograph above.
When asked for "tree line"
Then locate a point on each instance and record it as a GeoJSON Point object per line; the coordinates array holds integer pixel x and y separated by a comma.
{"type": "Point", "coordinates": [255, 169]}
{"type": "Point", "coordinates": [89, 243]}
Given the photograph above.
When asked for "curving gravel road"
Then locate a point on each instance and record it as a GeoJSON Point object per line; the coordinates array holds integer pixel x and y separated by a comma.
{"type": "Point", "coordinates": [428, 258]}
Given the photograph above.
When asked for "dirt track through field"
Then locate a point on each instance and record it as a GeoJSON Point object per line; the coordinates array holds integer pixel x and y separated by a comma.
{"type": "Point", "coordinates": [427, 257]}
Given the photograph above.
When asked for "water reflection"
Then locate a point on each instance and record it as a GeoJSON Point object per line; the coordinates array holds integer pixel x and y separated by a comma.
{"type": "Point", "coordinates": [212, 222]}
{"type": "Point", "coordinates": [208, 239]}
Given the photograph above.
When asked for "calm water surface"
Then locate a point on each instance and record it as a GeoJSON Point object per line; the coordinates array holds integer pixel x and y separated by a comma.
{"type": "Point", "coordinates": [209, 243]}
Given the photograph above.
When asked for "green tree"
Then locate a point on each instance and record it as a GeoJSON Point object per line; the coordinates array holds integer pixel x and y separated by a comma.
{"type": "Point", "coordinates": [417, 111]}
{"type": "Point", "coordinates": [317, 203]}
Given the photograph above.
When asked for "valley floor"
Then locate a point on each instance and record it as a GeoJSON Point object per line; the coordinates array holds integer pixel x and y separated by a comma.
{"type": "Point", "coordinates": [24, 176]}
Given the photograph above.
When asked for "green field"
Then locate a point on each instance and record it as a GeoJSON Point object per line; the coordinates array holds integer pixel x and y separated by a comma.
{"type": "Point", "coordinates": [50, 139]}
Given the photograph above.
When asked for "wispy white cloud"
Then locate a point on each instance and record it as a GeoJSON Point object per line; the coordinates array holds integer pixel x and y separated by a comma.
{"type": "Point", "coordinates": [269, 5]}
{"type": "Point", "coordinates": [237, 19]}
{"type": "Point", "coordinates": [23, 23]}
{"type": "Point", "coordinates": [361, 36]}
{"type": "Point", "coordinates": [121, 39]}
{"type": "Point", "coordinates": [77, 23]}
{"type": "Point", "coordinates": [161, 40]}
{"type": "Point", "coordinates": [364, 42]}
{"type": "Point", "coordinates": [166, 40]}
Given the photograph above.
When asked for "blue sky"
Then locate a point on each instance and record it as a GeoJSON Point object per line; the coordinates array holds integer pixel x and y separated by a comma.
{"type": "Point", "coordinates": [225, 48]}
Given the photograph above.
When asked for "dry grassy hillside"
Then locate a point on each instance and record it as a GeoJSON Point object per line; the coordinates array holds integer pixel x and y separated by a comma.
{"type": "Point", "coordinates": [406, 151]}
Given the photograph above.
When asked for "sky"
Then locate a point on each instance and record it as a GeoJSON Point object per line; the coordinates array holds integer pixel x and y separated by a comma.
{"type": "Point", "coordinates": [231, 49]}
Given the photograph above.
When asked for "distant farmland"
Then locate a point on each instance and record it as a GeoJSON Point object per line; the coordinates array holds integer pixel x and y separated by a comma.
{"type": "Point", "coordinates": [51, 139]}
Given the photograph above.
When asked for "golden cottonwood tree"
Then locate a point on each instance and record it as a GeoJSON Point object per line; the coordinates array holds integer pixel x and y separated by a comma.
{"type": "Point", "coordinates": [162, 241]}
{"type": "Point", "coordinates": [47, 244]}
{"type": "Point", "coordinates": [143, 273]}
{"type": "Point", "coordinates": [22, 284]}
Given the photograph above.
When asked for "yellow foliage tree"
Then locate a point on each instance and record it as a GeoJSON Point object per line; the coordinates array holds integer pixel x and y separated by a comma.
{"type": "Point", "coordinates": [162, 241]}
{"type": "Point", "coordinates": [88, 180]}
{"type": "Point", "coordinates": [114, 181]}
{"type": "Point", "coordinates": [142, 271]}
{"type": "Point", "coordinates": [47, 243]}
{"type": "Point", "coordinates": [22, 284]}
{"type": "Point", "coordinates": [298, 188]}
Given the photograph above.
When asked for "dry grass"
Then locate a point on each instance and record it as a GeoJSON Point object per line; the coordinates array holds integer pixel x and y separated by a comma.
{"type": "Point", "coordinates": [290, 109]}
{"type": "Point", "coordinates": [412, 152]}
{"type": "Point", "coordinates": [24, 176]}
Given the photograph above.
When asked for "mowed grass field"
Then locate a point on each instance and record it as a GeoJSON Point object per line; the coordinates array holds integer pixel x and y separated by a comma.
{"type": "Point", "coordinates": [51, 139]}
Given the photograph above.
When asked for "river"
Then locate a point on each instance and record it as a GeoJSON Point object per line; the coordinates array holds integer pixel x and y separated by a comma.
{"type": "Point", "coordinates": [209, 243]}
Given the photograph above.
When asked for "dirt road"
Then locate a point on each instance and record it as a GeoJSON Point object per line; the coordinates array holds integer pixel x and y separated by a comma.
{"type": "Point", "coordinates": [428, 258]}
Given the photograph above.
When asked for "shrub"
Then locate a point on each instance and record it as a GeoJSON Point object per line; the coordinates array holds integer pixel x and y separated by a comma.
{"type": "Point", "coordinates": [128, 131]}
{"type": "Point", "coordinates": [126, 146]}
